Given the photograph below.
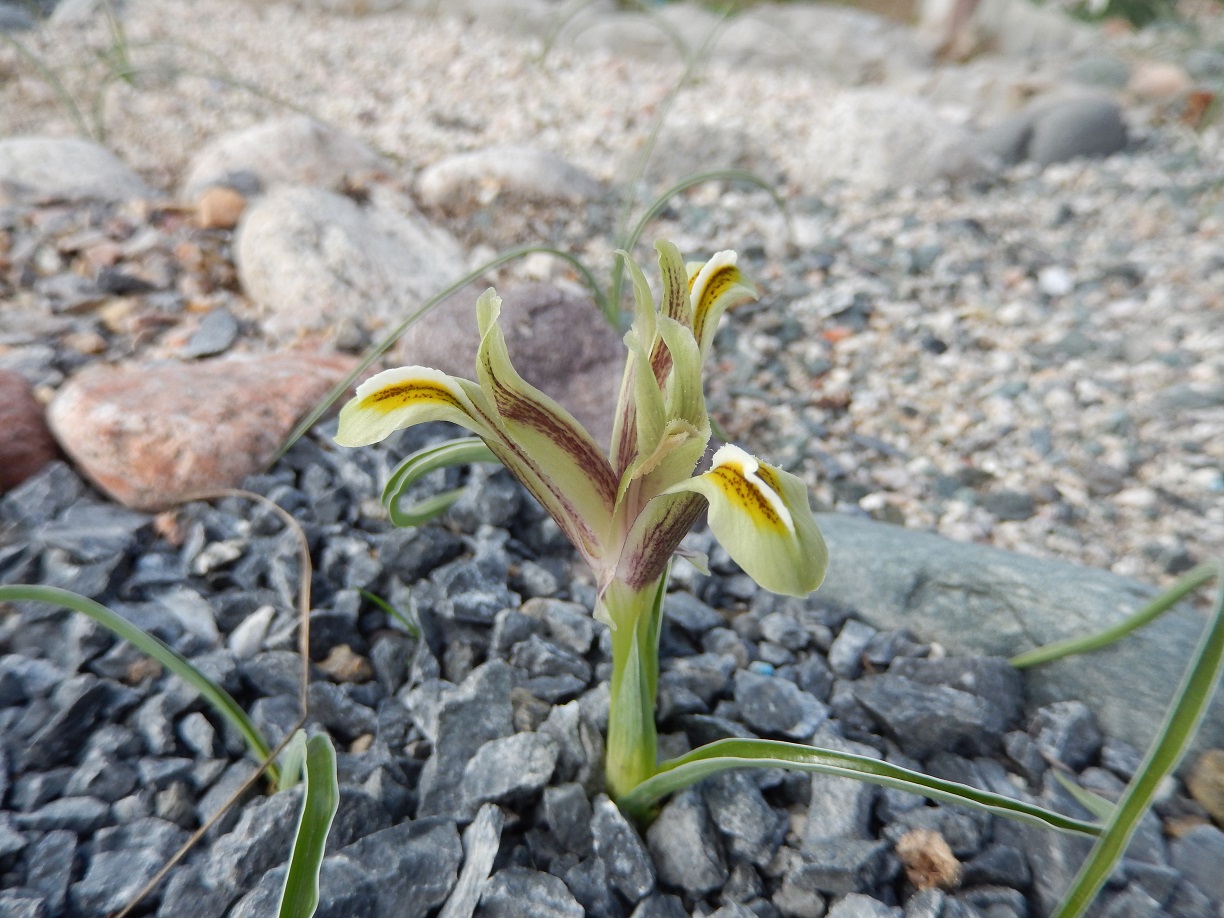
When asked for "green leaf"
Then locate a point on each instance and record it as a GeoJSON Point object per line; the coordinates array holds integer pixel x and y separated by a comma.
{"type": "Point", "coordinates": [320, 799]}
{"type": "Point", "coordinates": [1193, 580]}
{"type": "Point", "coordinates": [293, 760]}
{"type": "Point", "coordinates": [636, 617]}
{"type": "Point", "coordinates": [722, 755]}
{"type": "Point", "coordinates": [460, 451]}
{"type": "Point", "coordinates": [1098, 806]}
{"type": "Point", "coordinates": [220, 699]}
{"type": "Point", "coordinates": [1185, 712]}
{"type": "Point", "coordinates": [400, 616]}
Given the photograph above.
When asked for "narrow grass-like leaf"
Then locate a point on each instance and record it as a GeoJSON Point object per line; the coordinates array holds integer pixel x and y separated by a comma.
{"type": "Point", "coordinates": [459, 451]}
{"type": "Point", "coordinates": [400, 616]}
{"type": "Point", "coordinates": [320, 799]}
{"type": "Point", "coordinates": [220, 699]}
{"type": "Point", "coordinates": [462, 451]}
{"type": "Point", "coordinates": [1193, 580]}
{"type": "Point", "coordinates": [722, 755]}
{"type": "Point", "coordinates": [658, 205]}
{"type": "Point", "coordinates": [1098, 806]}
{"type": "Point", "coordinates": [1181, 721]}
{"type": "Point", "coordinates": [565, 17]}
{"type": "Point", "coordinates": [606, 306]}
{"type": "Point", "coordinates": [292, 761]}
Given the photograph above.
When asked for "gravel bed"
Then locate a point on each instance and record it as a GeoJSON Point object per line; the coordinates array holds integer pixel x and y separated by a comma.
{"type": "Point", "coordinates": [1036, 362]}
{"type": "Point", "coordinates": [489, 725]}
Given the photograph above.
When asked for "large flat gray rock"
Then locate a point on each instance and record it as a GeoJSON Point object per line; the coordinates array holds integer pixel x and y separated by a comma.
{"type": "Point", "coordinates": [976, 599]}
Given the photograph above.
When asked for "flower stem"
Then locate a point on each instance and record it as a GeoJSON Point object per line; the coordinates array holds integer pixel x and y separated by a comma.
{"type": "Point", "coordinates": [632, 746]}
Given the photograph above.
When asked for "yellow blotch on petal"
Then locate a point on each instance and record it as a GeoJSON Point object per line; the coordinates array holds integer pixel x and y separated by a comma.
{"type": "Point", "coordinates": [718, 283]}
{"type": "Point", "coordinates": [398, 395]}
{"type": "Point", "coordinates": [751, 487]}
{"type": "Point", "coordinates": [399, 398]}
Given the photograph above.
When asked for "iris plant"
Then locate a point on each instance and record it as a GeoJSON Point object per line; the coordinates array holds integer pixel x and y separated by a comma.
{"type": "Point", "coordinates": [625, 512]}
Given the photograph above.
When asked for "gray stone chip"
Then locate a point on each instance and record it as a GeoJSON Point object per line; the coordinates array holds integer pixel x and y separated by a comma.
{"type": "Point", "coordinates": [505, 768]}
{"type": "Point", "coordinates": [518, 892]}
{"type": "Point", "coordinates": [772, 705]}
{"type": "Point", "coordinates": [685, 848]}
{"type": "Point", "coordinates": [630, 869]}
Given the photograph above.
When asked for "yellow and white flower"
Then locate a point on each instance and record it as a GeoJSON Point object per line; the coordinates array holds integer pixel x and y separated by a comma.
{"type": "Point", "coordinates": [627, 511]}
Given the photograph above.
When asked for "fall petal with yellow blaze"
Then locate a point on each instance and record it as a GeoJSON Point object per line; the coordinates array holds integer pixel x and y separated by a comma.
{"type": "Point", "coordinates": [399, 398]}
{"type": "Point", "coordinates": [761, 516]}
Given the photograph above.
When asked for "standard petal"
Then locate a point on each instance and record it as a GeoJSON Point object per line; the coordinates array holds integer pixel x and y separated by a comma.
{"type": "Point", "coordinates": [639, 412]}
{"type": "Point", "coordinates": [399, 398]}
{"type": "Point", "coordinates": [655, 536]}
{"type": "Point", "coordinates": [683, 392]}
{"type": "Point", "coordinates": [675, 305]}
{"type": "Point", "coordinates": [567, 460]}
{"type": "Point", "coordinates": [714, 287]}
{"type": "Point", "coordinates": [761, 516]}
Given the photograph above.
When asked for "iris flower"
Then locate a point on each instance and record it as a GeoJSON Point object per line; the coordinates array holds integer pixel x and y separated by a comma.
{"type": "Point", "coordinates": [627, 511]}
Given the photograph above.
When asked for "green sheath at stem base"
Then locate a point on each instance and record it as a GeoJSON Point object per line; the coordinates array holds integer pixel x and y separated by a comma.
{"type": "Point", "coordinates": [632, 749]}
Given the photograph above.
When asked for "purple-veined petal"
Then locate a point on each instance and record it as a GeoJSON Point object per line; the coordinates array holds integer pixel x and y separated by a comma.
{"type": "Point", "coordinates": [655, 536]}
{"type": "Point", "coordinates": [640, 413]}
{"type": "Point", "coordinates": [569, 465]}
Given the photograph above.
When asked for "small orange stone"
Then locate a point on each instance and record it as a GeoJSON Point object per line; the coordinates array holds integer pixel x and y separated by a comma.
{"type": "Point", "coordinates": [928, 860]}
{"type": "Point", "coordinates": [219, 208]}
{"type": "Point", "coordinates": [835, 333]}
{"type": "Point", "coordinates": [1206, 783]}
{"type": "Point", "coordinates": [343, 665]}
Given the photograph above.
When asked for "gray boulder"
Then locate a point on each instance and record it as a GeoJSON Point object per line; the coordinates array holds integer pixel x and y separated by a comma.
{"type": "Point", "coordinates": [466, 181]}
{"type": "Point", "coordinates": [877, 139]}
{"type": "Point", "coordinates": [293, 151]}
{"type": "Point", "coordinates": [975, 599]}
{"type": "Point", "coordinates": [314, 261]}
{"type": "Point", "coordinates": [1057, 130]}
{"type": "Point", "coordinates": [65, 169]}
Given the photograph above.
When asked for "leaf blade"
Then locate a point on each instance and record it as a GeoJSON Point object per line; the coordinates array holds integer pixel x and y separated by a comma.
{"type": "Point", "coordinates": [1184, 714]}
{"type": "Point", "coordinates": [222, 702]}
{"type": "Point", "coordinates": [320, 800]}
{"type": "Point", "coordinates": [758, 753]}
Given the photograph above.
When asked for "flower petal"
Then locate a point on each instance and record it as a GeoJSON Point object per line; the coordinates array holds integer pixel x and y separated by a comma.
{"type": "Point", "coordinates": [715, 286]}
{"type": "Point", "coordinates": [580, 482]}
{"type": "Point", "coordinates": [399, 398]}
{"type": "Point", "coordinates": [676, 303]}
{"type": "Point", "coordinates": [655, 536]}
{"type": "Point", "coordinates": [639, 413]}
{"type": "Point", "coordinates": [683, 392]}
{"type": "Point", "coordinates": [761, 516]}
